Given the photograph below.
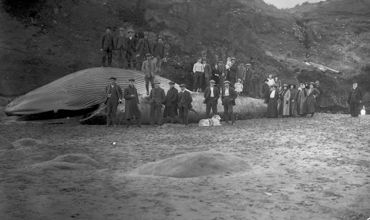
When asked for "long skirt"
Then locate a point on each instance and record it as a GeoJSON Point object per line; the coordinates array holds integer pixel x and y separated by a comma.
{"type": "Point", "coordinates": [311, 105]}
{"type": "Point", "coordinates": [272, 109]}
{"type": "Point", "coordinates": [293, 108]}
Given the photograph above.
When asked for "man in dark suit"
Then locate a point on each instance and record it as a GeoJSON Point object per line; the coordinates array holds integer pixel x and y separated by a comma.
{"type": "Point", "coordinates": [159, 53]}
{"type": "Point", "coordinates": [231, 75]}
{"type": "Point", "coordinates": [228, 101]}
{"type": "Point", "coordinates": [170, 111]}
{"type": "Point", "coordinates": [211, 95]}
{"type": "Point", "coordinates": [157, 97]}
{"type": "Point", "coordinates": [107, 45]}
{"type": "Point", "coordinates": [114, 97]}
{"type": "Point", "coordinates": [354, 100]}
{"type": "Point", "coordinates": [265, 91]}
{"type": "Point", "coordinates": [207, 73]}
{"type": "Point", "coordinates": [184, 104]}
{"type": "Point", "coordinates": [131, 104]}
{"type": "Point", "coordinates": [143, 47]}
{"type": "Point", "coordinates": [121, 47]}
{"type": "Point", "coordinates": [131, 43]}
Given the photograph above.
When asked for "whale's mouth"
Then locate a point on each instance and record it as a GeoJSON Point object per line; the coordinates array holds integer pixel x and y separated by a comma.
{"type": "Point", "coordinates": [55, 114]}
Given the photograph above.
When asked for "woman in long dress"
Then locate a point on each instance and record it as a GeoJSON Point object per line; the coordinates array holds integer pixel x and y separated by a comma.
{"type": "Point", "coordinates": [286, 101]}
{"type": "Point", "coordinates": [312, 93]}
{"type": "Point", "coordinates": [293, 100]}
{"type": "Point", "coordinates": [272, 110]}
{"type": "Point", "coordinates": [301, 100]}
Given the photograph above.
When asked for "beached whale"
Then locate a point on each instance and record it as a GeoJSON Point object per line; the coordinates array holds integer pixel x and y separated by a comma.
{"type": "Point", "coordinates": [85, 90]}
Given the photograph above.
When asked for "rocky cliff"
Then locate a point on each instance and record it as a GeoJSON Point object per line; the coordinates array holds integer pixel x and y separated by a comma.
{"type": "Point", "coordinates": [46, 39]}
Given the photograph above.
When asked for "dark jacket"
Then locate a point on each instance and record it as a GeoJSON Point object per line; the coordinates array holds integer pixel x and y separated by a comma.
{"type": "Point", "coordinates": [107, 42]}
{"type": "Point", "coordinates": [185, 99]}
{"type": "Point", "coordinates": [207, 94]}
{"type": "Point", "coordinates": [120, 43]}
{"type": "Point", "coordinates": [157, 96]}
{"type": "Point", "coordinates": [159, 50]}
{"type": "Point", "coordinates": [229, 99]}
{"type": "Point", "coordinates": [114, 94]}
{"type": "Point", "coordinates": [131, 45]}
{"type": "Point", "coordinates": [171, 97]}
{"type": "Point", "coordinates": [265, 92]}
{"type": "Point", "coordinates": [231, 76]}
{"type": "Point", "coordinates": [355, 96]}
{"type": "Point", "coordinates": [132, 101]}
{"type": "Point", "coordinates": [143, 47]}
{"type": "Point", "coordinates": [207, 71]}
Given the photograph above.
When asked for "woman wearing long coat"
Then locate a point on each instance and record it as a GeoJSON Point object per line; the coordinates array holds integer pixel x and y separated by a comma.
{"type": "Point", "coordinates": [131, 104]}
{"type": "Point", "coordinates": [293, 101]}
{"type": "Point", "coordinates": [312, 93]}
{"type": "Point", "coordinates": [286, 101]}
{"type": "Point", "coordinates": [301, 100]}
{"type": "Point", "coordinates": [272, 110]}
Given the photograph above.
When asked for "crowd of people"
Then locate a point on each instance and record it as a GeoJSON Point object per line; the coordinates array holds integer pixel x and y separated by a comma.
{"type": "Point", "coordinates": [221, 80]}
{"type": "Point", "coordinates": [177, 104]}
{"type": "Point", "coordinates": [291, 100]}
{"type": "Point", "coordinates": [244, 77]}
{"type": "Point", "coordinates": [132, 48]}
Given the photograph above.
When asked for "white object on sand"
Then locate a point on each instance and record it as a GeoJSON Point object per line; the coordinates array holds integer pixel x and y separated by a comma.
{"type": "Point", "coordinates": [214, 121]}
{"type": "Point", "coordinates": [363, 111]}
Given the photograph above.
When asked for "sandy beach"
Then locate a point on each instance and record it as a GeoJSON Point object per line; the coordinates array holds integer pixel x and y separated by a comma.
{"type": "Point", "coordinates": [298, 168]}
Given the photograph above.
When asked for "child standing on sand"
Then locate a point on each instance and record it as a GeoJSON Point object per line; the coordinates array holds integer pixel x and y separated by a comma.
{"type": "Point", "coordinates": [238, 87]}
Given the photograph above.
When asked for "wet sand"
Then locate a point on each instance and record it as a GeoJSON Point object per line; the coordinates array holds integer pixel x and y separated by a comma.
{"type": "Point", "coordinates": [299, 168]}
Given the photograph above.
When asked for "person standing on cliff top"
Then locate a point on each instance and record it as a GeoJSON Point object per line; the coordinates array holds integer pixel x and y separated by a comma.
{"type": "Point", "coordinates": [107, 45]}
{"type": "Point", "coordinates": [198, 71]}
{"type": "Point", "coordinates": [131, 43]}
{"type": "Point", "coordinates": [121, 47]}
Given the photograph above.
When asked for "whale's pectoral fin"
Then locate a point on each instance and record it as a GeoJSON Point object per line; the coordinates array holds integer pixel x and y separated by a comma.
{"type": "Point", "coordinates": [100, 110]}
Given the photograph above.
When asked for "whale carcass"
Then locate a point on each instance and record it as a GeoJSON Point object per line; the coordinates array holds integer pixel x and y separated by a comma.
{"type": "Point", "coordinates": [86, 88]}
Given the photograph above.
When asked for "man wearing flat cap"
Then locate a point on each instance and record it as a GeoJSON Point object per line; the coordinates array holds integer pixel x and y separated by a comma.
{"type": "Point", "coordinates": [184, 104]}
{"type": "Point", "coordinates": [170, 111]}
{"type": "Point", "coordinates": [113, 98]}
{"type": "Point", "coordinates": [211, 95]}
{"type": "Point", "coordinates": [132, 110]}
{"type": "Point", "coordinates": [228, 101]}
{"type": "Point", "coordinates": [107, 45]}
{"type": "Point", "coordinates": [148, 68]}
{"type": "Point", "coordinates": [157, 97]}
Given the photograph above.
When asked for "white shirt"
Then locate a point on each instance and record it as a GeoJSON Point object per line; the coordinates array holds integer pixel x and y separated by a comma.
{"type": "Point", "coordinates": [198, 67]}
{"type": "Point", "coordinates": [270, 82]}
{"type": "Point", "coordinates": [272, 95]}
{"type": "Point", "coordinates": [227, 92]}
{"type": "Point", "coordinates": [212, 94]}
{"type": "Point", "coordinates": [238, 87]}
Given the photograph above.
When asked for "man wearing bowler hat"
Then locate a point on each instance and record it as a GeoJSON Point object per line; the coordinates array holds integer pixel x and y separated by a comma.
{"type": "Point", "coordinates": [114, 97]}
{"type": "Point", "coordinates": [157, 98]}
{"type": "Point", "coordinates": [184, 104]}
{"type": "Point", "coordinates": [170, 111]}
{"type": "Point", "coordinates": [228, 101]}
{"type": "Point", "coordinates": [211, 95]}
{"type": "Point", "coordinates": [132, 110]}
